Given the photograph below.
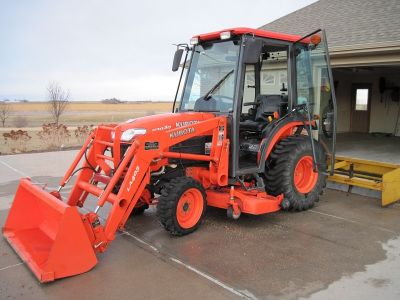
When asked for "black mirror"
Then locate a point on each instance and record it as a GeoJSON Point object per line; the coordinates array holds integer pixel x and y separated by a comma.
{"type": "Point", "coordinates": [252, 51]}
{"type": "Point", "coordinates": [177, 60]}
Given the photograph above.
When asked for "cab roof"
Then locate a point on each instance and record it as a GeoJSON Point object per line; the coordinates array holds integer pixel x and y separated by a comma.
{"type": "Point", "coordinates": [244, 30]}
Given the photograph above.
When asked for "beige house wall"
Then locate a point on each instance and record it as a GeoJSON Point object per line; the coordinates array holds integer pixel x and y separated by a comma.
{"type": "Point", "coordinates": [384, 54]}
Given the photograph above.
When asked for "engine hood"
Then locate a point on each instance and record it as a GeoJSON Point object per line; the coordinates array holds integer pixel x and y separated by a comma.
{"type": "Point", "coordinates": [168, 121]}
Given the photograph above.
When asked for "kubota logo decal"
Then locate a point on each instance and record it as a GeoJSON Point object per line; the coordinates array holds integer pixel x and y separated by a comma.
{"type": "Point", "coordinates": [181, 132]}
{"type": "Point", "coordinates": [186, 123]}
{"type": "Point", "coordinates": [137, 169]}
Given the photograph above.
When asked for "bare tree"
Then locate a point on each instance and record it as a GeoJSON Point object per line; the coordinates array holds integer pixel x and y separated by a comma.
{"type": "Point", "coordinates": [58, 100]}
{"type": "Point", "coordinates": [5, 111]}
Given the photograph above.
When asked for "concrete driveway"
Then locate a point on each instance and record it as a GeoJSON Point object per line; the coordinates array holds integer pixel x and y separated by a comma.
{"type": "Point", "coordinates": [346, 247]}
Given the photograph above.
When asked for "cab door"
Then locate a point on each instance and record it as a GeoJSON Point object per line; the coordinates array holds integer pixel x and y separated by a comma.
{"type": "Point", "coordinates": [315, 86]}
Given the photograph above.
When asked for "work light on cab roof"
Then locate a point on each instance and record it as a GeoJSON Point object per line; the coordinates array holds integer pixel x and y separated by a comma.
{"type": "Point", "coordinates": [194, 40]}
{"type": "Point", "coordinates": [225, 35]}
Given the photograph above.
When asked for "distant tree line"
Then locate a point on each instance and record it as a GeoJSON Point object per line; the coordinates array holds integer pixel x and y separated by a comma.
{"type": "Point", "coordinates": [112, 101]}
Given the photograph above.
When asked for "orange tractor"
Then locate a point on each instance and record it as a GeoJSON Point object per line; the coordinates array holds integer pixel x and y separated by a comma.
{"type": "Point", "coordinates": [243, 137]}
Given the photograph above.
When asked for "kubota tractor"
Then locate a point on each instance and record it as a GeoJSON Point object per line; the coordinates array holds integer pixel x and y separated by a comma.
{"type": "Point", "coordinates": [243, 137]}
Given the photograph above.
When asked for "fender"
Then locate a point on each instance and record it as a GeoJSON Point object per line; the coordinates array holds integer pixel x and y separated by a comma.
{"type": "Point", "coordinates": [275, 132]}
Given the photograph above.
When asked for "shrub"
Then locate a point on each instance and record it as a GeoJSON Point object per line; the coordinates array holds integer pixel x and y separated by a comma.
{"type": "Point", "coordinates": [53, 135]}
{"type": "Point", "coordinates": [17, 140]}
{"type": "Point", "coordinates": [82, 133]}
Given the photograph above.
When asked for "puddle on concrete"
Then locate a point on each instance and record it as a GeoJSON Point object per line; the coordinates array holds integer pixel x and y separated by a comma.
{"type": "Point", "coordinates": [379, 281]}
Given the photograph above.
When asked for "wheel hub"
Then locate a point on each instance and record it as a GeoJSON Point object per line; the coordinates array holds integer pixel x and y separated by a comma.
{"type": "Point", "coordinates": [189, 208]}
{"type": "Point", "coordinates": [305, 178]}
{"type": "Point", "coordinates": [185, 207]}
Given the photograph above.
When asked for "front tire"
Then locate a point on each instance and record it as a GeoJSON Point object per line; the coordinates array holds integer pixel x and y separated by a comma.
{"type": "Point", "coordinates": [289, 171]}
{"type": "Point", "coordinates": [181, 206]}
{"type": "Point", "coordinates": [143, 201]}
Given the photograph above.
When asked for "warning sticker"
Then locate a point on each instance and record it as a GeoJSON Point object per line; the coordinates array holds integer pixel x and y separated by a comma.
{"type": "Point", "coordinates": [150, 145]}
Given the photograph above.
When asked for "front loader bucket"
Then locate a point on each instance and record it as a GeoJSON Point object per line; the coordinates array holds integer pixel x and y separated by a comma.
{"type": "Point", "coordinates": [48, 234]}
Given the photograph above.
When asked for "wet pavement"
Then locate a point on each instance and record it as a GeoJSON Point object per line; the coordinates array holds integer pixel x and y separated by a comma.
{"type": "Point", "coordinates": [346, 247]}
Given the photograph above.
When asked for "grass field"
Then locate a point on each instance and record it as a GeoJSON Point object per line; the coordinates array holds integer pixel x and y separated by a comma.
{"type": "Point", "coordinates": [31, 116]}
{"type": "Point", "coordinates": [78, 113]}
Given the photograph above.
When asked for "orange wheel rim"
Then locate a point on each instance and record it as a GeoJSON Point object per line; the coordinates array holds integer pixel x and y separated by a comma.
{"type": "Point", "coordinates": [190, 208]}
{"type": "Point", "coordinates": [305, 178]}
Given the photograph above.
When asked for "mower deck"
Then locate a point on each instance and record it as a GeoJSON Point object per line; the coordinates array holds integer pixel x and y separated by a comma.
{"type": "Point", "coordinates": [251, 202]}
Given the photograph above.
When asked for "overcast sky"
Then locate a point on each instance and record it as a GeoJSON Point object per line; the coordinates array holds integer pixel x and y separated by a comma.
{"type": "Point", "coordinates": [102, 49]}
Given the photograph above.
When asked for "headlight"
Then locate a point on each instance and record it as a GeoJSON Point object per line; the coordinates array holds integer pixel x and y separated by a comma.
{"type": "Point", "coordinates": [129, 134]}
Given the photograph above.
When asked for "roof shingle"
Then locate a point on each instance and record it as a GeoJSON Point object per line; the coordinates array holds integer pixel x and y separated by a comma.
{"type": "Point", "coordinates": [347, 22]}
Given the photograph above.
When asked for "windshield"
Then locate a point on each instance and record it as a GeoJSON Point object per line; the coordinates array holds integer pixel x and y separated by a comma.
{"type": "Point", "coordinates": [210, 83]}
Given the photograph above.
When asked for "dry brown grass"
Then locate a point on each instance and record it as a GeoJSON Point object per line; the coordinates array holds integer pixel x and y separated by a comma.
{"type": "Point", "coordinates": [94, 106]}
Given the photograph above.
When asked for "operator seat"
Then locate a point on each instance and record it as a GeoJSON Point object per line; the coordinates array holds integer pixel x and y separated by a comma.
{"type": "Point", "coordinates": [266, 106]}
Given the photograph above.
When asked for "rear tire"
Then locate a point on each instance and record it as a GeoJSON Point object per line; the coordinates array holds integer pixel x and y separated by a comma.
{"type": "Point", "coordinates": [289, 171]}
{"type": "Point", "coordinates": [181, 206]}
